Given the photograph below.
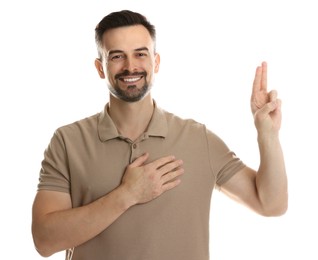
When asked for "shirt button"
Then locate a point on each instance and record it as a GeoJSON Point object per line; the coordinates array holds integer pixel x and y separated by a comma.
{"type": "Point", "coordinates": [134, 146]}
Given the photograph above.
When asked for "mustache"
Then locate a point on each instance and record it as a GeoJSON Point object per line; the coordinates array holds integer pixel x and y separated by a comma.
{"type": "Point", "coordinates": [126, 73]}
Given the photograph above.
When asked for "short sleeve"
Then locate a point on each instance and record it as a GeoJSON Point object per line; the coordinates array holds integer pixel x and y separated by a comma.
{"type": "Point", "coordinates": [54, 173]}
{"type": "Point", "coordinates": [224, 162]}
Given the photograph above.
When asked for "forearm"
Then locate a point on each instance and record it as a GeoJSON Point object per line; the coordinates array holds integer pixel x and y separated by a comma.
{"type": "Point", "coordinates": [271, 180]}
{"type": "Point", "coordinates": [64, 229]}
{"type": "Point", "coordinates": [57, 226]}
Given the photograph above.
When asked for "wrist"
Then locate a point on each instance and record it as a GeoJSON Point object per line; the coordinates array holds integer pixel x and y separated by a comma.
{"type": "Point", "coordinates": [125, 199]}
{"type": "Point", "coordinates": [122, 198]}
{"type": "Point", "coordinates": [268, 143]}
{"type": "Point", "coordinates": [267, 136]}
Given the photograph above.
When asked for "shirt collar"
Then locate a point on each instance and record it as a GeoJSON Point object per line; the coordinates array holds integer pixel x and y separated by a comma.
{"type": "Point", "coordinates": [107, 130]}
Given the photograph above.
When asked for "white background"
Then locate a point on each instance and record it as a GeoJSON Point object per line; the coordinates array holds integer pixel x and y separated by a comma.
{"type": "Point", "coordinates": [209, 52]}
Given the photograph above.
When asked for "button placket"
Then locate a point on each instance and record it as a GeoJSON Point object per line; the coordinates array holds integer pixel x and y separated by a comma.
{"type": "Point", "coordinates": [135, 148]}
{"type": "Point", "coordinates": [133, 151]}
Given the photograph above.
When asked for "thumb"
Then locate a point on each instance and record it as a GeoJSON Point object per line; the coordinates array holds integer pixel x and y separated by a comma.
{"type": "Point", "coordinates": [140, 160]}
{"type": "Point", "coordinates": [269, 108]}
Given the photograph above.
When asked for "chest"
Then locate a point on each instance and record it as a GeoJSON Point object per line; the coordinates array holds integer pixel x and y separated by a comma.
{"type": "Point", "coordinates": [97, 170]}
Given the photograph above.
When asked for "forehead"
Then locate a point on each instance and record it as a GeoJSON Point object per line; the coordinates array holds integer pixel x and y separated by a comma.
{"type": "Point", "coordinates": [127, 38]}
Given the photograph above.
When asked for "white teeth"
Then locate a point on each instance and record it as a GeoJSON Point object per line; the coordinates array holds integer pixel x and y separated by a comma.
{"type": "Point", "coordinates": [131, 79]}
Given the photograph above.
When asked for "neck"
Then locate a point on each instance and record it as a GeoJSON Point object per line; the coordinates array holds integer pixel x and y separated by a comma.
{"type": "Point", "coordinates": [131, 119]}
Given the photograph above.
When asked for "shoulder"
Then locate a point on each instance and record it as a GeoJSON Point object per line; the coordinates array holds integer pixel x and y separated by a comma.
{"type": "Point", "coordinates": [80, 126]}
{"type": "Point", "coordinates": [178, 121]}
{"type": "Point", "coordinates": [193, 129]}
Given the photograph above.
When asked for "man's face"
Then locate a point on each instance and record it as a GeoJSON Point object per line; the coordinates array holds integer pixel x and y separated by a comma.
{"type": "Point", "coordinates": [130, 62]}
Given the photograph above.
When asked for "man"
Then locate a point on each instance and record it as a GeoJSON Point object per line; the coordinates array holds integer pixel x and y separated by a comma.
{"type": "Point", "coordinates": [134, 181]}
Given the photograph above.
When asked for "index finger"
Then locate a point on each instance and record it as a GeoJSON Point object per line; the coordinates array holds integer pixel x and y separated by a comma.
{"type": "Point", "coordinates": [260, 80]}
{"type": "Point", "coordinates": [163, 161]}
{"type": "Point", "coordinates": [264, 76]}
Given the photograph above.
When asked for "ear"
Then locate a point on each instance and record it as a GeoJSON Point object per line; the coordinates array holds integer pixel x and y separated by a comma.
{"type": "Point", "coordinates": [157, 62]}
{"type": "Point", "coordinates": [99, 67]}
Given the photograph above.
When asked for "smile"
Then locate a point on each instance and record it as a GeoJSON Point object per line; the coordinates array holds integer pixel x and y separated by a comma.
{"type": "Point", "coordinates": [130, 80]}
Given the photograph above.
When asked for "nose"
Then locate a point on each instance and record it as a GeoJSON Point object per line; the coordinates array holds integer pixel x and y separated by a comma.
{"type": "Point", "coordinates": [130, 64]}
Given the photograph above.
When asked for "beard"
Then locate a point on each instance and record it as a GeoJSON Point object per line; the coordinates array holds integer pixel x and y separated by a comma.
{"type": "Point", "coordinates": [132, 94]}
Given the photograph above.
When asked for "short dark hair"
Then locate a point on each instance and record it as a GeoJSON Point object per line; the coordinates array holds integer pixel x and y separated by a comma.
{"type": "Point", "coordinates": [121, 19]}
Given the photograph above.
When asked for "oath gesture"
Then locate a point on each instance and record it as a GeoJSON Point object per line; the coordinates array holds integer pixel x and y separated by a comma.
{"type": "Point", "coordinates": [146, 182]}
{"type": "Point", "coordinates": [266, 108]}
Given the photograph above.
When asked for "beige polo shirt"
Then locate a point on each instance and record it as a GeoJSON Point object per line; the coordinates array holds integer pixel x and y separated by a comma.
{"type": "Point", "coordinates": [88, 158]}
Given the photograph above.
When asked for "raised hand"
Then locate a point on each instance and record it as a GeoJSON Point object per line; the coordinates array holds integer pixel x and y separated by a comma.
{"type": "Point", "coordinates": [265, 106]}
{"type": "Point", "coordinates": [146, 182]}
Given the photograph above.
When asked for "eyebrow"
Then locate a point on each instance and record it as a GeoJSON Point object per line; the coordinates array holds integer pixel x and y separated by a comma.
{"type": "Point", "coordinates": [142, 49]}
{"type": "Point", "coordinates": [120, 51]}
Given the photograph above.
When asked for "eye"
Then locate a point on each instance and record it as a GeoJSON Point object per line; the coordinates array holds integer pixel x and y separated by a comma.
{"type": "Point", "coordinates": [116, 58]}
{"type": "Point", "coordinates": [141, 54]}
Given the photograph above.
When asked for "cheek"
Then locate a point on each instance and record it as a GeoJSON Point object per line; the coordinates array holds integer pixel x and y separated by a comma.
{"type": "Point", "coordinates": [110, 77]}
{"type": "Point", "coordinates": [111, 72]}
{"type": "Point", "coordinates": [150, 67]}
